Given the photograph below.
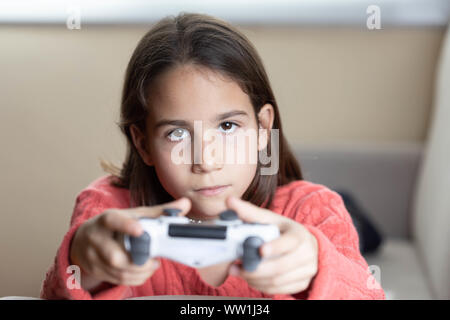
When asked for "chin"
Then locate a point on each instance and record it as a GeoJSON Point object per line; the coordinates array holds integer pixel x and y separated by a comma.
{"type": "Point", "coordinates": [207, 210]}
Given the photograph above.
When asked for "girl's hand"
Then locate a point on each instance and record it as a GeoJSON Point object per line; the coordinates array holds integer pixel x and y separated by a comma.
{"type": "Point", "coordinates": [289, 262]}
{"type": "Point", "coordinates": [102, 258]}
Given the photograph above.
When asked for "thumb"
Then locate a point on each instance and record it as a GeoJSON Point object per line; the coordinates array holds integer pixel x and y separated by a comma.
{"type": "Point", "coordinates": [125, 220]}
{"type": "Point", "coordinates": [181, 206]}
{"type": "Point", "coordinates": [249, 212]}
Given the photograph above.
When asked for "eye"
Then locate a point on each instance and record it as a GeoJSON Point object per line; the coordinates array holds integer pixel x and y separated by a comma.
{"type": "Point", "coordinates": [178, 134]}
{"type": "Point", "coordinates": [227, 125]}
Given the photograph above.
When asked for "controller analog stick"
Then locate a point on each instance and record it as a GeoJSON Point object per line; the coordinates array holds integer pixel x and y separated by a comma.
{"type": "Point", "coordinates": [251, 257]}
{"type": "Point", "coordinates": [171, 212]}
{"type": "Point", "coordinates": [228, 215]}
{"type": "Point", "coordinates": [140, 248]}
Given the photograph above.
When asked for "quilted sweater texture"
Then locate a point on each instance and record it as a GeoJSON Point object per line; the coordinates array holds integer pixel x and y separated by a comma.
{"type": "Point", "coordinates": [342, 271]}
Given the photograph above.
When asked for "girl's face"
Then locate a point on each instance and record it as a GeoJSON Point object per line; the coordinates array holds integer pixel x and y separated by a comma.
{"type": "Point", "coordinates": [218, 106]}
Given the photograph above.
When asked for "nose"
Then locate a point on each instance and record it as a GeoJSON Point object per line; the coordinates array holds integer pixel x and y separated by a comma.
{"type": "Point", "coordinates": [207, 153]}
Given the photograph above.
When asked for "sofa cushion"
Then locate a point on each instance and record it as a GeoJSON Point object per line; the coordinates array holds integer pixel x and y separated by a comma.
{"type": "Point", "coordinates": [398, 269]}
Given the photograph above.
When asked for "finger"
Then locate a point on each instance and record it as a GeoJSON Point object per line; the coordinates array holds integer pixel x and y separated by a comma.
{"type": "Point", "coordinates": [251, 213]}
{"type": "Point", "coordinates": [90, 259]}
{"type": "Point", "coordinates": [294, 275]}
{"type": "Point", "coordinates": [121, 275]}
{"type": "Point", "coordinates": [114, 255]}
{"type": "Point", "coordinates": [274, 266]}
{"type": "Point", "coordinates": [147, 269]}
{"type": "Point", "coordinates": [98, 268]}
{"type": "Point", "coordinates": [290, 288]}
{"type": "Point", "coordinates": [99, 273]}
{"type": "Point", "coordinates": [183, 204]}
{"type": "Point", "coordinates": [133, 279]}
{"type": "Point", "coordinates": [118, 221]}
{"type": "Point", "coordinates": [268, 268]}
{"type": "Point", "coordinates": [129, 277]}
{"type": "Point", "coordinates": [287, 242]}
{"type": "Point", "coordinates": [149, 266]}
{"type": "Point", "coordinates": [124, 221]}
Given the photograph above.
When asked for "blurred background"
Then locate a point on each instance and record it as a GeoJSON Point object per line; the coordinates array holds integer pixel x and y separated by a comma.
{"type": "Point", "coordinates": [362, 88]}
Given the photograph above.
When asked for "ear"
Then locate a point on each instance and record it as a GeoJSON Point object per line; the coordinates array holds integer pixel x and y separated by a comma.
{"type": "Point", "coordinates": [140, 143]}
{"type": "Point", "coordinates": [265, 121]}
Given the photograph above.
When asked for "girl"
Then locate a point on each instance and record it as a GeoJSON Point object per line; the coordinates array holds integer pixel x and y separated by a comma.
{"type": "Point", "coordinates": [187, 70]}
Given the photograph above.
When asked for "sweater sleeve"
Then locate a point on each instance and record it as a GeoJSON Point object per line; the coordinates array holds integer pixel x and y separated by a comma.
{"type": "Point", "coordinates": [342, 271]}
{"type": "Point", "coordinates": [59, 281]}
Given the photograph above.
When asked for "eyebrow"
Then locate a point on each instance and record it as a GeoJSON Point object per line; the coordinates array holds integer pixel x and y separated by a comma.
{"type": "Point", "coordinates": [219, 117]}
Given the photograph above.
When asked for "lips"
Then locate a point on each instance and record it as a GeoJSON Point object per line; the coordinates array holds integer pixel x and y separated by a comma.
{"type": "Point", "coordinates": [210, 188]}
{"type": "Point", "coordinates": [210, 191]}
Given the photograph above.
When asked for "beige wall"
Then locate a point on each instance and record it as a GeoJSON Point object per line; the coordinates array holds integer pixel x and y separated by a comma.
{"type": "Point", "coordinates": [59, 98]}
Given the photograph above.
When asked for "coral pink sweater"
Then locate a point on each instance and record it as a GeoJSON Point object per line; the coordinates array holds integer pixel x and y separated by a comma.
{"type": "Point", "coordinates": [342, 271]}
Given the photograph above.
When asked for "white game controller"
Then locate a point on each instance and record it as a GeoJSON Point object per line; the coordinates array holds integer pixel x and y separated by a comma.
{"type": "Point", "coordinates": [200, 245]}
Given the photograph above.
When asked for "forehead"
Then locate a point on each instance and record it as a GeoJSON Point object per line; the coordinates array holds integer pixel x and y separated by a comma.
{"type": "Point", "coordinates": [192, 93]}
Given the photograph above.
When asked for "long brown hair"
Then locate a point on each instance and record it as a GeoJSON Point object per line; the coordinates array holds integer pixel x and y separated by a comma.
{"type": "Point", "coordinates": [208, 42]}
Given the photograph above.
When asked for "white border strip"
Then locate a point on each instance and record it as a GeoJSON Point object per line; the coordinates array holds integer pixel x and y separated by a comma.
{"type": "Point", "coordinates": [267, 12]}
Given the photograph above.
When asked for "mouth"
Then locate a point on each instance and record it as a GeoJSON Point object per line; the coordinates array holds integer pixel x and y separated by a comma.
{"type": "Point", "coordinates": [211, 191]}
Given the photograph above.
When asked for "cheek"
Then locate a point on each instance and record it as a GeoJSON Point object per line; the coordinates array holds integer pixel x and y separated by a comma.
{"type": "Point", "coordinates": [242, 152]}
{"type": "Point", "coordinates": [248, 171]}
{"type": "Point", "coordinates": [162, 153]}
{"type": "Point", "coordinates": [172, 176]}
{"type": "Point", "coordinates": [241, 175]}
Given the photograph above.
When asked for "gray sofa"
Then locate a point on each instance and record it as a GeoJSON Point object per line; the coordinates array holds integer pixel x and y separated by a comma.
{"type": "Point", "coordinates": [405, 189]}
{"type": "Point", "coordinates": [381, 179]}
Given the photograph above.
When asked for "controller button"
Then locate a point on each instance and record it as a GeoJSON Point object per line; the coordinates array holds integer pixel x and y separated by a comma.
{"type": "Point", "coordinates": [171, 212]}
{"type": "Point", "coordinates": [228, 215]}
